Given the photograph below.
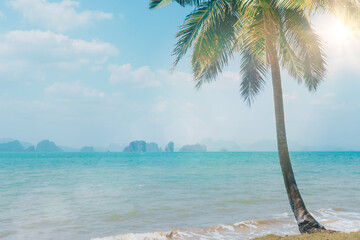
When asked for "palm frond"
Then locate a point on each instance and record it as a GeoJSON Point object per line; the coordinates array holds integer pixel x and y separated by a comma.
{"type": "Point", "coordinates": [253, 72]}
{"type": "Point", "coordinates": [288, 58]}
{"type": "Point", "coordinates": [217, 29]}
{"type": "Point", "coordinates": [306, 6]}
{"type": "Point", "coordinates": [347, 10]}
{"type": "Point", "coordinates": [250, 43]}
{"type": "Point", "coordinates": [307, 46]}
{"type": "Point", "coordinates": [202, 19]}
{"type": "Point", "coordinates": [214, 46]}
{"type": "Point", "coordinates": [161, 3]}
{"type": "Point", "coordinates": [314, 63]}
{"type": "Point", "coordinates": [287, 43]}
{"type": "Point", "coordinates": [294, 4]}
{"type": "Point", "coordinates": [250, 32]}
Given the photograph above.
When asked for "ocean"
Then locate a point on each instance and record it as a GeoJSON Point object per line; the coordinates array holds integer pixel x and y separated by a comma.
{"type": "Point", "coordinates": [230, 195]}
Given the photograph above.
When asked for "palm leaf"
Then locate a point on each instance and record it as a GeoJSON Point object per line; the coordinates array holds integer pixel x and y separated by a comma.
{"type": "Point", "coordinates": [214, 45]}
{"type": "Point", "coordinates": [204, 17]}
{"type": "Point", "coordinates": [347, 10]}
{"type": "Point", "coordinates": [161, 3]}
{"type": "Point", "coordinates": [308, 47]}
{"type": "Point", "coordinates": [288, 44]}
{"type": "Point", "coordinates": [253, 72]}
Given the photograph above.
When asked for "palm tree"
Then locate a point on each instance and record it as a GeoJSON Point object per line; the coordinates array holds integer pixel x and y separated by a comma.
{"type": "Point", "coordinates": [267, 34]}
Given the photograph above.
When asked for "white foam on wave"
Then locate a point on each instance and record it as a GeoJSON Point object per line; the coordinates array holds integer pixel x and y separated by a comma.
{"type": "Point", "coordinates": [139, 236]}
{"type": "Point", "coordinates": [282, 224]}
{"type": "Point", "coordinates": [339, 220]}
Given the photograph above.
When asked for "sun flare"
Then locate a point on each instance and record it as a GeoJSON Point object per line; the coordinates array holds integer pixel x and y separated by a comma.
{"type": "Point", "coordinates": [340, 31]}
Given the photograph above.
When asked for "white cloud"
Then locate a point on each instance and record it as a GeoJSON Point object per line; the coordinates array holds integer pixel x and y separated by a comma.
{"type": "Point", "coordinates": [175, 78]}
{"type": "Point", "coordinates": [72, 90]}
{"type": "Point", "coordinates": [52, 43]}
{"type": "Point", "coordinates": [142, 76]}
{"type": "Point", "coordinates": [146, 77]}
{"type": "Point", "coordinates": [35, 50]}
{"type": "Point", "coordinates": [2, 16]}
{"type": "Point", "coordinates": [60, 16]}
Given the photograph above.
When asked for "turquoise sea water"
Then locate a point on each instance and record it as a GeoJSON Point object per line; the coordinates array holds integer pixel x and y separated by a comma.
{"type": "Point", "coordinates": [196, 195]}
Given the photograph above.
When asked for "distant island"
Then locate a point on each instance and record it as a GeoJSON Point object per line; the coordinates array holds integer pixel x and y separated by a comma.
{"type": "Point", "coordinates": [87, 149]}
{"type": "Point", "coordinates": [169, 147]}
{"type": "Point", "coordinates": [207, 145]}
{"type": "Point", "coordinates": [13, 146]}
{"type": "Point", "coordinates": [193, 148]}
{"type": "Point", "coordinates": [142, 146]}
{"type": "Point", "coordinates": [46, 146]}
{"type": "Point", "coordinates": [136, 146]}
{"type": "Point", "coordinates": [43, 146]}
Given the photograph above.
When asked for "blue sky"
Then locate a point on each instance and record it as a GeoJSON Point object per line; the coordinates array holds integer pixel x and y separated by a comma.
{"type": "Point", "coordinates": [98, 72]}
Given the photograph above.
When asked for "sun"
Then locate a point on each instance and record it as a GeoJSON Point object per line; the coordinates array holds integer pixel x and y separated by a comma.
{"type": "Point", "coordinates": [340, 32]}
{"type": "Point", "coordinates": [335, 32]}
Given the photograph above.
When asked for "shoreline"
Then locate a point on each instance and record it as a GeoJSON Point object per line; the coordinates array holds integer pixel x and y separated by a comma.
{"type": "Point", "coordinates": [314, 236]}
{"type": "Point", "coordinates": [171, 235]}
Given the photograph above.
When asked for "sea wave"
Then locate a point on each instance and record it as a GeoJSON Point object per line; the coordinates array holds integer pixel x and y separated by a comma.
{"type": "Point", "coordinates": [282, 224]}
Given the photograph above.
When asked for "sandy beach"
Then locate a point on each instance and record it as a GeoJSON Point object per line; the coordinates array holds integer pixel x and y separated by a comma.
{"type": "Point", "coordinates": [318, 236]}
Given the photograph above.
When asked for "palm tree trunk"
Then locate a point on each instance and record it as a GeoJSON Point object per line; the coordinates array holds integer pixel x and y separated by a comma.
{"type": "Point", "coordinates": [306, 222]}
